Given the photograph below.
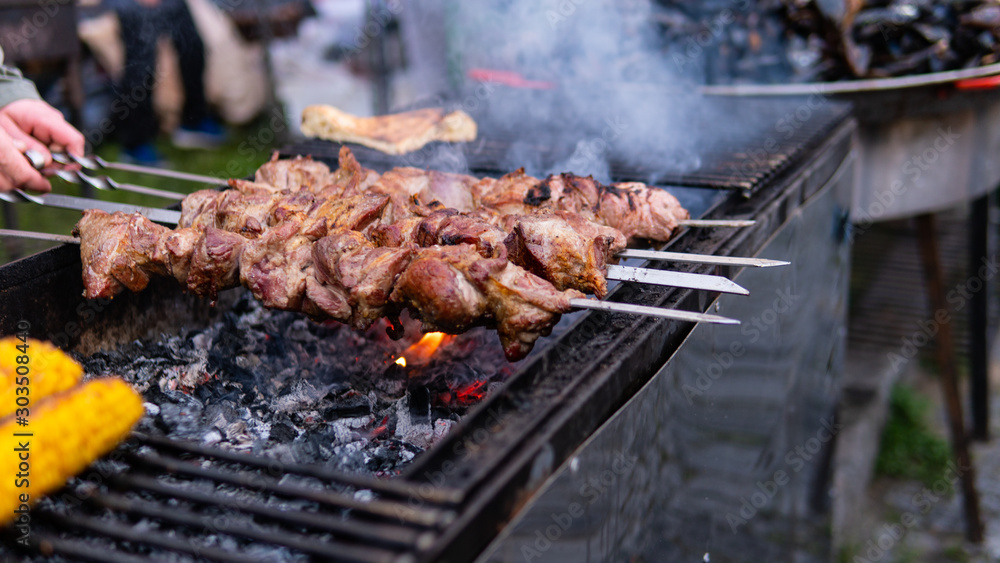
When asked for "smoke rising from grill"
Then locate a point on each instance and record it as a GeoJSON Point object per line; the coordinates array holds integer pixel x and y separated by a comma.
{"type": "Point", "coordinates": [587, 77]}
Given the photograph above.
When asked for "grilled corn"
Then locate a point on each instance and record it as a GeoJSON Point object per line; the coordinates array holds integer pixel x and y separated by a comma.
{"type": "Point", "coordinates": [69, 425]}
{"type": "Point", "coordinates": [44, 370]}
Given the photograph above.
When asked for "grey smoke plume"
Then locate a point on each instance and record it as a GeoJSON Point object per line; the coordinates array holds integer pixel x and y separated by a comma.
{"type": "Point", "coordinates": [615, 97]}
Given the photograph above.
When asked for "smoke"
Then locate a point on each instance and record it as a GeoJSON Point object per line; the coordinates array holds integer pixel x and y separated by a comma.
{"type": "Point", "coordinates": [578, 85]}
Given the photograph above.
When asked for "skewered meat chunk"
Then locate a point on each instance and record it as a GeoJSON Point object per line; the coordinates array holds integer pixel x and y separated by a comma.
{"type": "Point", "coordinates": [275, 266]}
{"type": "Point", "coordinates": [567, 255]}
{"type": "Point", "coordinates": [347, 262]}
{"type": "Point", "coordinates": [293, 174]}
{"type": "Point", "coordinates": [215, 262]}
{"type": "Point", "coordinates": [437, 288]}
{"type": "Point", "coordinates": [350, 178]}
{"type": "Point", "coordinates": [453, 288]}
{"type": "Point", "coordinates": [116, 251]}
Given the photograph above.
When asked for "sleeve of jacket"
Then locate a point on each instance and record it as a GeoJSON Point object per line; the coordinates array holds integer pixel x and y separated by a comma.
{"type": "Point", "coordinates": [14, 86]}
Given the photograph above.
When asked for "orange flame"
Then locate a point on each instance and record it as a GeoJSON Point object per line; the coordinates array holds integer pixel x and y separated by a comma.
{"type": "Point", "coordinates": [422, 351]}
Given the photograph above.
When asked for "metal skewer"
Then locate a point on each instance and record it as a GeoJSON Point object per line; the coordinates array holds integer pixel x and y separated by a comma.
{"type": "Point", "coordinates": [39, 236]}
{"type": "Point", "coordinates": [717, 223]}
{"type": "Point", "coordinates": [701, 258]}
{"type": "Point", "coordinates": [97, 163]}
{"type": "Point", "coordinates": [155, 214]}
{"type": "Point", "coordinates": [672, 314]}
{"type": "Point", "coordinates": [675, 279]}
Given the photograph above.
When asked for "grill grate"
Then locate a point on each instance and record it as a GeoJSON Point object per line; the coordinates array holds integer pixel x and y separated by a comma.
{"type": "Point", "coordinates": [227, 506]}
{"type": "Point", "coordinates": [744, 157]}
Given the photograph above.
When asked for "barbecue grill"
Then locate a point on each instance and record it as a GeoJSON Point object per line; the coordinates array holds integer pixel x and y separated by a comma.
{"type": "Point", "coordinates": [628, 434]}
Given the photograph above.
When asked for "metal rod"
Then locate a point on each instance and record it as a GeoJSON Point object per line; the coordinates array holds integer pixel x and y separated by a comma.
{"type": "Point", "coordinates": [106, 183]}
{"type": "Point", "coordinates": [672, 314]}
{"type": "Point", "coordinates": [384, 487]}
{"type": "Point", "coordinates": [384, 533]}
{"type": "Point", "coordinates": [927, 235]}
{"type": "Point", "coordinates": [97, 163]}
{"type": "Point", "coordinates": [701, 258]}
{"type": "Point", "coordinates": [38, 236]}
{"type": "Point", "coordinates": [675, 279]}
{"type": "Point", "coordinates": [424, 516]}
{"type": "Point", "coordinates": [147, 537]}
{"type": "Point", "coordinates": [716, 223]}
{"type": "Point", "coordinates": [979, 387]}
{"type": "Point", "coordinates": [154, 214]}
{"type": "Point", "coordinates": [327, 549]}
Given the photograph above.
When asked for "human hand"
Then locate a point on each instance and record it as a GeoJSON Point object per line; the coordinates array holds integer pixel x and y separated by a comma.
{"type": "Point", "coordinates": [15, 170]}
{"type": "Point", "coordinates": [34, 125]}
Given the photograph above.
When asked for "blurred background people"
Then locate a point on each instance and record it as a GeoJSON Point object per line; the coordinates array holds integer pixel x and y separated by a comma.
{"type": "Point", "coordinates": [142, 23]}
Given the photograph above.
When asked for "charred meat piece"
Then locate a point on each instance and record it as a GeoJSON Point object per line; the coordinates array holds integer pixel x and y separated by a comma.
{"type": "Point", "coordinates": [275, 266]}
{"type": "Point", "coordinates": [242, 213]}
{"type": "Point", "coordinates": [215, 262]}
{"type": "Point", "coordinates": [453, 288]}
{"type": "Point", "coordinates": [198, 209]}
{"type": "Point", "coordinates": [356, 213]}
{"type": "Point", "coordinates": [524, 305]}
{"type": "Point", "coordinates": [437, 290]}
{"type": "Point", "coordinates": [116, 250]}
{"type": "Point", "coordinates": [568, 255]}
{"type": "Point", "coordinates": [349, 264]}
{"type": "Point", "coordinates": [350, 179]}
{"type": "Point", "coordinates": [294, 174]}
{"type": "Point", "coordinates": [640, 212]}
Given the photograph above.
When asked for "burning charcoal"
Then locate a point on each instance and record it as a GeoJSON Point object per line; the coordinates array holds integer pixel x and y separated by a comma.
{"type": "Point", "coordinates": [283, 432]}
{"type": "Point", "coordinates": [181, 420]}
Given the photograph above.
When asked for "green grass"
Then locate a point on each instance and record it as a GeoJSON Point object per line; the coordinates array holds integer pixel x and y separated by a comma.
{"type": "Point", "coordinates": [909, 449]}
{"type": "Point", "coordinates": [239, 157]}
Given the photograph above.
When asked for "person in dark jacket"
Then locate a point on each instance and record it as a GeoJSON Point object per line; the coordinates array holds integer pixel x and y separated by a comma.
{"type": "Point", "coordinates": [143, 22]}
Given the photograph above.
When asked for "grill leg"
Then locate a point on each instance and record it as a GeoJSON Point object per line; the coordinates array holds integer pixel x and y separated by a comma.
{"type": "Point", "coordinates": [979, 391]}
{"type": "Point", "coordinates": [927, 235]}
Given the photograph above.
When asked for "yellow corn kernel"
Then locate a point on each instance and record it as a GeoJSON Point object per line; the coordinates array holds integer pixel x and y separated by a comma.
{"type": "Point", "coordinates": [68, 432]}
{"type": "Point", "coordinates": [49, 371]}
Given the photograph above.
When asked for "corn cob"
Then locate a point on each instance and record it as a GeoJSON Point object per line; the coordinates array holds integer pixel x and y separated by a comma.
{"type": "Point", "coordinates": [69, 431]}
{"type": "Point", "coordinates": [48, 370]}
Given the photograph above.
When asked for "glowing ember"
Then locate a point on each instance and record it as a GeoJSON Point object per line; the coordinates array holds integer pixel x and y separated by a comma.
{"type": "Point", "coordinates": [422, 351]}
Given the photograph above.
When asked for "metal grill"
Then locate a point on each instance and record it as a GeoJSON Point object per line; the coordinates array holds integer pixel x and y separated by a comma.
{"type": "Point", "coordinates": [156, 497]}
{"type": "Point", "coordinates": [224, 506]}
{"type": "Point", "coordinates": [777, 137]}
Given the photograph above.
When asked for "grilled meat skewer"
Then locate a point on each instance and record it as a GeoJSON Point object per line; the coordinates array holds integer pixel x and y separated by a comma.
{"type": "Point", "coordinates": [342, 275]}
